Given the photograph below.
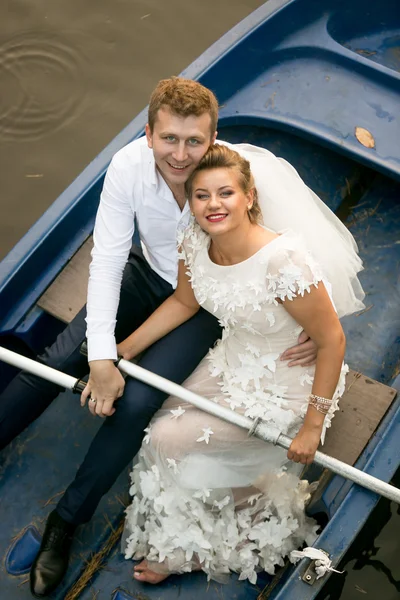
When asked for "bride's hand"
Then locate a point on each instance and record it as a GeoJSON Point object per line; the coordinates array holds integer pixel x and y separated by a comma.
{"type": "Point", "coordinates": [304, 445]}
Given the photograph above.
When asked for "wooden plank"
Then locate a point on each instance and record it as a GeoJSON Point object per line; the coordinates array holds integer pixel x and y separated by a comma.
{"type": "Point", "coordinates": [65, 297]}
{"type": "Point", "coordinates": [362, 407]}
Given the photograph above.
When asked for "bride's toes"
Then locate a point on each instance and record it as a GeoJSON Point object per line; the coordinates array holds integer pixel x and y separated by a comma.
{"type": "Point", "coordinates": [150, 577]}
{"type": "Point", "coordinates": [141, 566]}
{"type": "Point", "coordinates": [143, 573]}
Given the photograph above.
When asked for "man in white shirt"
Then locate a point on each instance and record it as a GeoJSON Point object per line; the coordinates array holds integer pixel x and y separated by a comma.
{"type": "Point", "coordinates": [145, 182]}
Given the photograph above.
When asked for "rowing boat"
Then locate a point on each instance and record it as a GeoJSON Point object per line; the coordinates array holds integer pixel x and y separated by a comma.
{"type": "Point", "coordinates": [316, 82]}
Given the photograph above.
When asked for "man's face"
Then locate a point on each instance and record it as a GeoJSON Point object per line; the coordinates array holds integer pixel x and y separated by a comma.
{"type": "Point", "coordinates": [178, 144]}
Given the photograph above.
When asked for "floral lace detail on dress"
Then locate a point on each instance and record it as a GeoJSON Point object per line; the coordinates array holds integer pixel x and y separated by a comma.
{"type": "Point", "coordinates": [202, 526]}
{"type": "Point", "coordinates": [291, 272]}
{"type": "Point", "coordinates": [282, 270]}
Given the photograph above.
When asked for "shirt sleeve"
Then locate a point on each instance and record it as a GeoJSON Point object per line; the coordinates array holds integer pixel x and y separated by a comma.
{"type": "Point", "coordinates": [113, 231]}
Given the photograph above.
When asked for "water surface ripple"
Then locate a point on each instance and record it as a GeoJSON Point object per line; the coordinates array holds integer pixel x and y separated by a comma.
{"type": "Point", "coordinates": [42, 83]}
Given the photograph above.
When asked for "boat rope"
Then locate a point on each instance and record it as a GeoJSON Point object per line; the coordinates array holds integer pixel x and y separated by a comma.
{"type": "Point", "coordinates": [322, 560]}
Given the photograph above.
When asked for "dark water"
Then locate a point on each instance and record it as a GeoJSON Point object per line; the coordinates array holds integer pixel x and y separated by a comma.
{"type": "Point", "coordinates": [72, 75]}
{"type": "Point", "coordinates": [371, 566]}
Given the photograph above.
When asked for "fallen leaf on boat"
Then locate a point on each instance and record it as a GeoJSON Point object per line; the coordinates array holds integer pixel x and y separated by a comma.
{"type": "Point", "coordinates": [365, 137]}
{"type": "Point", "coordinates": [365, 52]}
{"type": "Point", "coordinates": [271, 101]}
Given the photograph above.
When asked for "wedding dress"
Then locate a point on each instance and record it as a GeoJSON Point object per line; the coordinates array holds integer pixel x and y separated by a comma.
{"type": "Point", "coordinates": [204, 493]}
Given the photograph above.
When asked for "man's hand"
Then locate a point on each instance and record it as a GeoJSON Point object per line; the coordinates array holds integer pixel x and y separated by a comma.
{"type": "Point", "coordinates": [304, 353]}
{"type": "Point", "coordinates": [305, 444]}
{"type": "Point", "coordinates": [105, 385]}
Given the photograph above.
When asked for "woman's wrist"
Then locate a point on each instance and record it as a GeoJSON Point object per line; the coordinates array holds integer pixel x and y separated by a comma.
{"type": "Point", "coordinates": [126, 350]}
{"type": "Point", "coordinates": [313, 425]}
{"type": "Point", "coordinates": [314, 419]}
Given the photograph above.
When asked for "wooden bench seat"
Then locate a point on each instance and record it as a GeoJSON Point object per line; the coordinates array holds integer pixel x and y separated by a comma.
{"type": "Point", "coordinates": [65, 297]}
{"type": "Point", "coordinates": [362, 407]}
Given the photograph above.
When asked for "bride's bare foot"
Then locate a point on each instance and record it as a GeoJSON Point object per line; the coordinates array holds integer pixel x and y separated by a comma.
{"type": "Point", "coordinates": [143, 573]}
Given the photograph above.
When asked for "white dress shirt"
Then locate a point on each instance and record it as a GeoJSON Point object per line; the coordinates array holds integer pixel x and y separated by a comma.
{"type": "Point", "coordinates": [132, 187]}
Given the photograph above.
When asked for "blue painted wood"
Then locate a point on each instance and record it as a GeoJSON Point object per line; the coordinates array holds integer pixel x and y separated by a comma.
{"type": "Point", "coordinates": [297, 54]}
{"type": "Point", "coordinates": [189, 587]}
{"type": "Point", "coordinates": [374, 336]}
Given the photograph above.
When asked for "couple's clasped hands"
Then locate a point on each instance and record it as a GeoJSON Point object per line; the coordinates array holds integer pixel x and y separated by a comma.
{"type": "Point", "coordinates": [106, 384]}
{"type": "Point", "coordinates": [104, 387]}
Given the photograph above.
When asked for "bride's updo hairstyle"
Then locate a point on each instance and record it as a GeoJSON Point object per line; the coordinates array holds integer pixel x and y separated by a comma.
{"type": "Point", "coordinates": [219, 156]}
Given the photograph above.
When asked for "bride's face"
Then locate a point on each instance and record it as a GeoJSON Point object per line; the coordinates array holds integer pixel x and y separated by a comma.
{"type": "Point", "coordinates": [218, 201]}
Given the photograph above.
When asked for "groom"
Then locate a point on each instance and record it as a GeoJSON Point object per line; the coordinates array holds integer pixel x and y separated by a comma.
{"type": "Point", "coordinates": [145, 181]}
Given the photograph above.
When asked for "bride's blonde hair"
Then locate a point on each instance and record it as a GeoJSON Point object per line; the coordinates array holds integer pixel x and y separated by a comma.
{"type": "Point", "coordinates": [219, 156]}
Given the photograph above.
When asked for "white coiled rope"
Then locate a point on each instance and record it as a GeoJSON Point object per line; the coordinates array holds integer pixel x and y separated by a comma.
{"type": "Point", "coordinates": [322, 560]}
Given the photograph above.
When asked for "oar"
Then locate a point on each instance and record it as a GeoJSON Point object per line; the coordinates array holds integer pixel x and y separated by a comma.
{"type": "Point", "coordinates": [254, 427]}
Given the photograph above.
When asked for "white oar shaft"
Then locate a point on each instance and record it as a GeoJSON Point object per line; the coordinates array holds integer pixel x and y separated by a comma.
{"type": "Point", "coordinates": [261, 430]}
{"type": "Point", "coordinates": [173, 389]}
{"type": "Point", "coordinates": [37, 368]}
{"type": "Point", "coordinates": [340, 468]}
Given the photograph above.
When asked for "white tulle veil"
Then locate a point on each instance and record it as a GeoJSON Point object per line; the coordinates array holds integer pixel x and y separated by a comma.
{"type": "Point", "coordinates": [287, 203]}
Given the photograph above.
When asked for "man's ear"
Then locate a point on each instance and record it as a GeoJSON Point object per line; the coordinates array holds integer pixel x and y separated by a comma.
{"type": "Point", "coordinates": [214, 137]}
{"type": "Point", "coordinates": [149, 136]}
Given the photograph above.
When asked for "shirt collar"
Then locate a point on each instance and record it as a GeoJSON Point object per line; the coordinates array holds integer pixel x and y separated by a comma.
{"type": "Point", "coordinates": [151, 174]}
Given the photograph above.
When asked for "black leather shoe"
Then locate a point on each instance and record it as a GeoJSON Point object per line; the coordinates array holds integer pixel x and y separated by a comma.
{"type": "Point", "coordinates": [51, 562]}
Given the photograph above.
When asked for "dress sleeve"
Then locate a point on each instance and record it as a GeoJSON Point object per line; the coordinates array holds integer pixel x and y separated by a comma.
{"type": "Point", "coordinates": [190, 242]}
{"type": "Point", "coordinates": [292, 271]}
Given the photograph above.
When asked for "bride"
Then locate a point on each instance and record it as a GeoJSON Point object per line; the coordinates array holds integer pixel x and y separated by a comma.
{"type": "Point", "coordinates": [205, 495]}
